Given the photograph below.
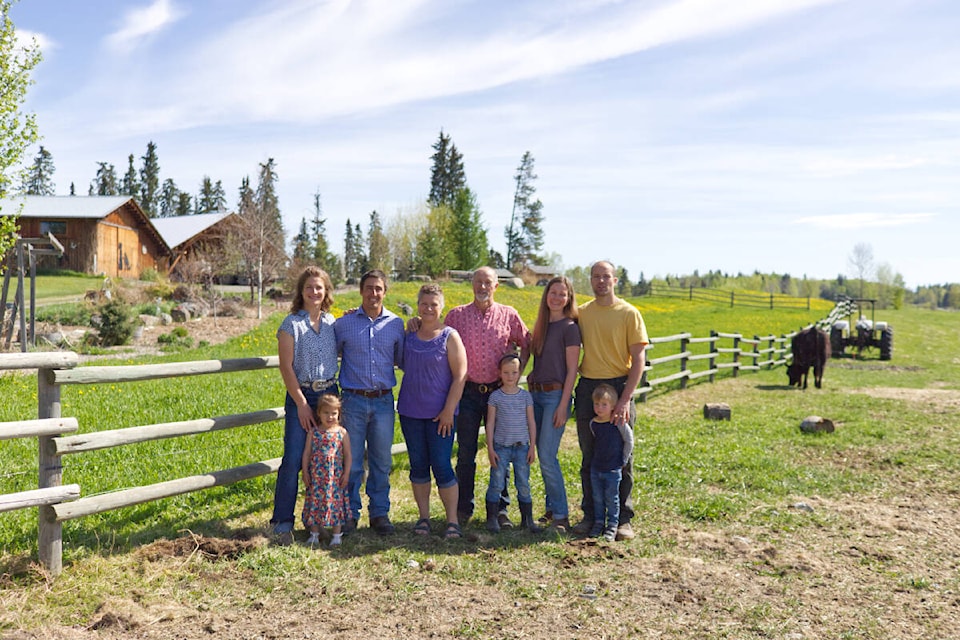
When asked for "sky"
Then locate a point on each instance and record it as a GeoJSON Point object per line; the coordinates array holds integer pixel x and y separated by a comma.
{"type": "Point", "coordinates": [669, 136]}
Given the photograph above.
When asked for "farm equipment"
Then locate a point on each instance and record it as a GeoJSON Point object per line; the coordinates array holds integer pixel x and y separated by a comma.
{"type": "Point", "coordinates": [865, 333]}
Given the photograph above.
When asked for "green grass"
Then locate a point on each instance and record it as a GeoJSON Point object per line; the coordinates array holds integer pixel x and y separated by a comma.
{"type": "Point", "coordinates": [687, 469]}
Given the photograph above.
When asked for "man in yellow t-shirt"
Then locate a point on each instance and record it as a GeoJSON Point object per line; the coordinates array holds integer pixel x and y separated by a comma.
{"type": "Point", "coordinates": [614, 339]}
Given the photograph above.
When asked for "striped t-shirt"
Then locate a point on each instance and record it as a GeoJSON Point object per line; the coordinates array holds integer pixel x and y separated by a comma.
{"type": "Point", "coordinates": [511, 421]}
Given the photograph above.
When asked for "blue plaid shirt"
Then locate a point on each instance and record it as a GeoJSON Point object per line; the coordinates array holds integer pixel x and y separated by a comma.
{"type": "Point", "coordinates": [369, 349]}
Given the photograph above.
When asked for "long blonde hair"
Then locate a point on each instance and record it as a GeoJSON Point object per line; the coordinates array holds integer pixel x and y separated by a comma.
{"type": "Point", "coordinates": [543, 315]}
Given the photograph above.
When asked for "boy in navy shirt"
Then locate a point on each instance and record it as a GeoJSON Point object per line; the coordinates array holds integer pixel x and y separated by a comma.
{"type": "Point", "coordinates": [612, 447]}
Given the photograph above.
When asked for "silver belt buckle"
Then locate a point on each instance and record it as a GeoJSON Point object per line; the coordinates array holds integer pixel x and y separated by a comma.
{"type": "Point", "coordinates": [320, 385]}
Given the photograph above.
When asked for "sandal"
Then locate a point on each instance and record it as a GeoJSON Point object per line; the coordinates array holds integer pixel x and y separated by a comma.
{"type": "Point", "coordinates": [422, 528]}
{"type": "Point", "coordinates": [452, 531]}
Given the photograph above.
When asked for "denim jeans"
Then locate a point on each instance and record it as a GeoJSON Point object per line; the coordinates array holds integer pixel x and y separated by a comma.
{"type": "Point", "coordinates": [473, 410]}
{"type": "Point", "coordinates": [369, 421]}
{"type": "Point", "coordinates": [584, 411]}
{"type": "Point", "coordinates": [288, 476]}
{"type": "Point", "coordinates": [545, 404]}
{"type": "Point", "coordinates": [517, 456]}
{"type": "Point", "coordinates": [606, 496]}
{"type": "Point", "coordinates": [426, 450]}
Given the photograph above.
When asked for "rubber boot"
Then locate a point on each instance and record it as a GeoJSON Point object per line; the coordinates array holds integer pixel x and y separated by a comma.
{"type": "Point", "coordinates": [493, 509]}
{"type": "Point", "coordinates": [526, 517]}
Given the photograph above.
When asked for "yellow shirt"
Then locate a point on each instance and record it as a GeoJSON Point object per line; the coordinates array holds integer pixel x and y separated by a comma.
{"type": "Point", "coordinates": [607, 333]}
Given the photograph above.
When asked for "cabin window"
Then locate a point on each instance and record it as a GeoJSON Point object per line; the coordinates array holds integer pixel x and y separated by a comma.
{"type": "Point", "coordinates": [56, 227]}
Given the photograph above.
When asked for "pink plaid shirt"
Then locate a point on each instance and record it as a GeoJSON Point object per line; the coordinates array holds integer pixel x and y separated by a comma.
{"type": "Point", "coordinates": [487, 336]}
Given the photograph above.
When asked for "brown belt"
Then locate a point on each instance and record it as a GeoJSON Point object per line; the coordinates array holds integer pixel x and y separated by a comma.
{"type": "Point", "coordinates": [376, 393]}
{"type": "Point", "coordinates": [483, 387]}
{"type": "Point", "coordinates": [550, 386]}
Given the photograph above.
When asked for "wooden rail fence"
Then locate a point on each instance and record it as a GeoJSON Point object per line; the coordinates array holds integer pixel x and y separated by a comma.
{"type": "Point", "coordinates": [695, 358]}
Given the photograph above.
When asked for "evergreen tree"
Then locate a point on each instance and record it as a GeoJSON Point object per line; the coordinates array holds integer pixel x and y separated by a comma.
{"type": "Point", "coordinates": [524, 235]}
{"type": "Point", "coordinates": [169, 198]}
{"type": "Point", "coordinates": [435, 252]}
{"type": "Point", "coordinates": [468, 237]}
{"type": "Point", "coordinates": [302, 249]}
{"type": "Point", "coordinates": [447, 175]}
{"type": "Point", "coordinates": [207, 199]}
{"type": "Point", "coordinates": [105, 184]}
{"type": "Point", "coordinates": [17, 130]}
{"type": "Point", "coordinates": [130, 185]}
{"type": "Point", "coordinates": [38, 180]}
{"type": "Point", "coordinates": [322, 256]}
{"type": "Point", "coordinates": [150, 180]}
{"type": "Point", "coordinates": [349, 259]}
{"type": "Point", "coordinates": [378, 248]}
{"type": "Point", "coordinates": [363, 260]}
{"type": "Point", "coordinates": [73, 190]}
{"type": "Point", "coordinates": [184, 204]}
{"type": "Point", "coordinates": [219, 196]}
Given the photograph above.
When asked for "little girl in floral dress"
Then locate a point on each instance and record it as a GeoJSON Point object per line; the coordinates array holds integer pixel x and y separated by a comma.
{"type": "Point", "coordinates": [326, 470]}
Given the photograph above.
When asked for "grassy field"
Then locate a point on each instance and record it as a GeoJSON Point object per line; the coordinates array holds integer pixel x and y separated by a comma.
{"type": "Point", "coordinates": [746, 529]}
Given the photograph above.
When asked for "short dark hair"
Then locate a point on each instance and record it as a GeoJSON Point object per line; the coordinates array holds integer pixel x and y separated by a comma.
{"type": "Point", "coordinates": [373, 273]}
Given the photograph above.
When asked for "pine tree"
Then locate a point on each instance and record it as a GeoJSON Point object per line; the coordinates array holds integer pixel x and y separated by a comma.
{"type": "Point", "coordinates": [150, 180]}
{"type": "Point", "coordinates": [105, 184]}
{"type": "Point", "coordinates": [435, 252]}
{"type": "Point", "coordinates": [322, 256]}
{"type": "Point", "coordinates": [184, 204]}
{"type": "Point", "coordinates": [169, 198]}
{"type": "Point", "coordinates": [73, 190]}
{"type": "Point", "coordinates": [38, 180]}
{"type": "Point", "coordinates": [130, 185]}
{"type": "Point", "coordinates": [524, 235]}
{"type": "Point", "coordinates": [378, 248]}
{"type": "Point", "coordinates": [349, 259]}
{"type": "Point", "coordinates": [468, 237]}
{"type": "Point", "coordinates": [302, 251]}
{"type": "Point", "coordinates": [447, 175]}
{"type": "Point", "coordinates": [207, 198]}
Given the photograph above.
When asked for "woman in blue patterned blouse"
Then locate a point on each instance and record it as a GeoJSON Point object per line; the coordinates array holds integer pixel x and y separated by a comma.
{"type": "Point", "coordinates": [307, 349]}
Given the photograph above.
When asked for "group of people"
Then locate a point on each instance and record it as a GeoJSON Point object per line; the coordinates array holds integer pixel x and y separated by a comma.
{"type": "Point", "coordinates": [459, 371]}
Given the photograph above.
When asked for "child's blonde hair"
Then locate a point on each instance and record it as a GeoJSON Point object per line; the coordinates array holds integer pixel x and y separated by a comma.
{"type": "Point", "coordinates": [605, 391]}
{"type": "Point", "coordinates": [328, 400]}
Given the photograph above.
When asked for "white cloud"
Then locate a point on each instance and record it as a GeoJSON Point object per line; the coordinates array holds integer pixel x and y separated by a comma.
{"type": "Point", "coordinates": [29, 38]}
{"type": "Point", "coordinates": [836, 166]}
{"type": "Point", "coordinates": [141, 22]}
{"type": "Point", "coordinates": [865, 220]}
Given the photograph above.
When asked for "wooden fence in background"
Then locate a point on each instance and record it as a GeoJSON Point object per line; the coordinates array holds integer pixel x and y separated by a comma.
{"type": "Point", "coordinates": [723, 296]}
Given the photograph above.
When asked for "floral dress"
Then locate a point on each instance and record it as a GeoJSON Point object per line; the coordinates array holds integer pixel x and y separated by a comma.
{"type": "Point", "coordinates": [326, 504]}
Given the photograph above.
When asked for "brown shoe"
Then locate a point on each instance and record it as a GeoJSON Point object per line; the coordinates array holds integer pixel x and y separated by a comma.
{"type": "Point", "coordinates": [284, 539]}
{"type": "Point", "coordinates": [560, 525]}
{"type": "Point", "coordinates": [583, 527]}
{"type": "Point", "coordinates": [625, 532]}
{"type": "Point", "coordinates": [504, 521]}
{"type": "Point", "coordinates": [546, 518]}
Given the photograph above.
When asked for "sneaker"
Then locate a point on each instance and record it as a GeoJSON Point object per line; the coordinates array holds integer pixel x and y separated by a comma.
{"type": "Point", "coordinates": [596, 530]}
{"type": "Point", "coordinates": [610, 534]}
{"type": "Point", "coordinates": [283, 539]}
{"type": "Point", "coordinates": [383, 526]}
{"type": "Point", "coordinates": [625, 532]}
{"type": "Point", "coordinates": [504, 521]}
{"type": "Point", "coordinates": [583, 527]}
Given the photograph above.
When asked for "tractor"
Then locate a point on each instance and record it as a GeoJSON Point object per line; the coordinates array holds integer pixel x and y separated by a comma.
{"type": "Point", "coordinates": [865, 333]}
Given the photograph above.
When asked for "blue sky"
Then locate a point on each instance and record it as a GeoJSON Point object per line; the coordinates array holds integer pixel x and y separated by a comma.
{"type": "Point", "coordinates": [669, 135]}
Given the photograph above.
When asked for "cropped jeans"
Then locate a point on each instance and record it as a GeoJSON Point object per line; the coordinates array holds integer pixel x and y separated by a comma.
{"type": "Point", "coordinates": [545, 404]}
{"type": "Point", "coordinates": [515, 454]}
{"type": "Point", "coordinates": [369, 421]}
{"type": "Point", "coordinates": [426, 450]}
{"type": "Point", "coordinates": [288, 476]}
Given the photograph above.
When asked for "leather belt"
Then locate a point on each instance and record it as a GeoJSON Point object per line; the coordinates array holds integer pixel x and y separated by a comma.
{"type": "Point", "coordinates": [483, 387]}
{"type": "Point", "coordinates": [319, 385]}
{"type": "Point", "coordinates": [375, 393]}
{"type": "Point", "coordinates": [550, 386]}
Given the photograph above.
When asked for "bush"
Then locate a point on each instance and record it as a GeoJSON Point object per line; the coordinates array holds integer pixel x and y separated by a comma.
{"type": "Point", "coordinates": [150, 275]}
{"type": "Point", "coordinates": [116, 323]}
{"type": "Point", "coordinates": [178, 338]}
{"type": "Point", "coordinates": [68, 314]}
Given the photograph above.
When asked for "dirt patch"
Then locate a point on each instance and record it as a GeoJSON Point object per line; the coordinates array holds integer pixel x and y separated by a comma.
{"type": "Point", "coordinates": [201, 546]}
{"type": "Point", "coordinates": [938, 399]}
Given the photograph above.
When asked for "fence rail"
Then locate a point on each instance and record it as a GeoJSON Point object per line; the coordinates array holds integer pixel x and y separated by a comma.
{"type": "Point", "coordinates": [689, 358]}
{"type": "Point", "coordinates": [723, 296]}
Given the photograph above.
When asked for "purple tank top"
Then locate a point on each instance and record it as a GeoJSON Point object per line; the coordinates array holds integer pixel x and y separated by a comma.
{"type": "Point", "coordinates": [426, 376]}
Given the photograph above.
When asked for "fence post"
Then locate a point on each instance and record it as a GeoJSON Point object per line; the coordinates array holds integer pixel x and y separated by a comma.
{"type": "Point", "coordinates": [50, 537]}
{"type": "Point", "coordinates": [731, 299]}
{"type": "Point", "coordinates": [773, 354]}
{"type": "Point", "coordinates": [756, 350]}
{"type": "Point", "coordinates": [691, 292]}
{"type": "Point", "coordinates": [683, 361]}
{"type": "Point", "coordinates": [736, 354]}
{"type": "Point", "coordinates": [771, 301]}
{"type": "Point", "coordinates": [713, 353]}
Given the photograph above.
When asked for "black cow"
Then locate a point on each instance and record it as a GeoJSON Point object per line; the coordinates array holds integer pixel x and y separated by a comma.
{"type": "Point", "coordinates": [811, 348]}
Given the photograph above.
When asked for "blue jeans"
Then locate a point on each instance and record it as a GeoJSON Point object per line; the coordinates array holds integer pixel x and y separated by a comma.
{"type": "Point", "coordinates": [517, 456]}
{"type": "Point", "coordinates": [428, 450]}
{"type": "Point", "coordinates": [472, 411]}
{"type": "Point", "coordinates": [288, 476]}
{"type": "Point", "coordinates": [606, 496]}
{"type": "Point", "coordinates": [545, 404]}
{"type": "Point", "coordinates": [369, 421]}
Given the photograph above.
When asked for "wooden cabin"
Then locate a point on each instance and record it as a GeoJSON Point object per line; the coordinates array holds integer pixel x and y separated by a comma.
{"type": "Point", "coordinates": [198, 238]}
{"type": "Point", "coordinates": [101, 235]}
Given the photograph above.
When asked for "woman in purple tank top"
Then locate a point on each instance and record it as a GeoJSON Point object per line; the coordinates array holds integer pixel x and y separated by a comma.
{"type": "Point", "coordinates": [434, 371]}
